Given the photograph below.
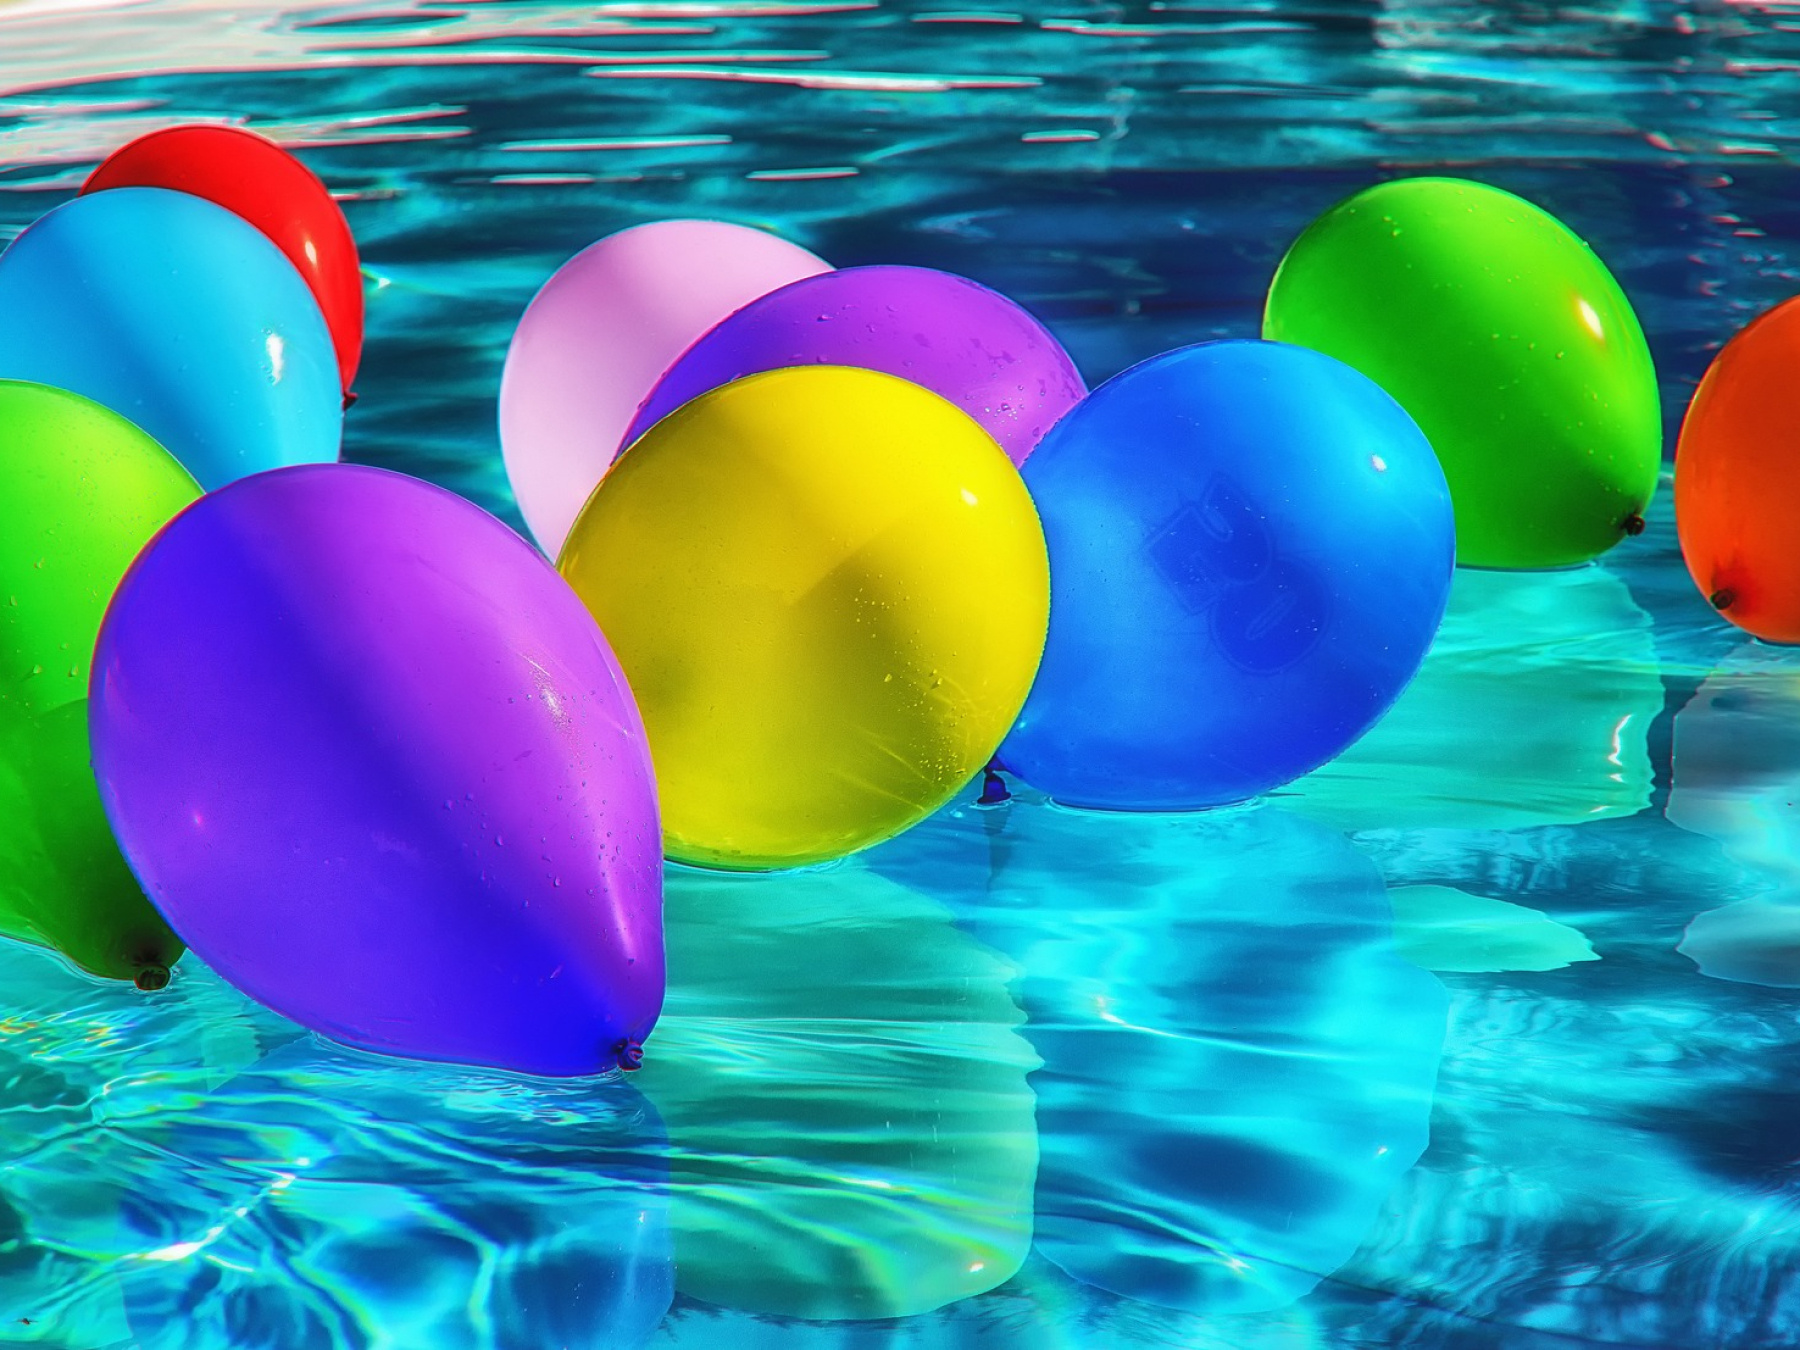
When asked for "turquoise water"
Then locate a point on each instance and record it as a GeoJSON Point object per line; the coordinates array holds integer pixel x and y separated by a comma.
{"type": "Point", "coordinates": [1482, 1037]}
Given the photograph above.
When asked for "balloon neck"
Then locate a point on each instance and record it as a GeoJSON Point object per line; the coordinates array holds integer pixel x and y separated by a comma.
{"type": "Point", "coordinates": [630, 1054]}
{"type": "Point", "coordinates": [350, 397]}
{"type": "Point", "coordinates": [1722, 599]}
{"type": "Point", "coordinates": [993, 788]}
{"type": "Point", "coordinates": [1633, 524]}
{"type": "Point", "coordinates": [151, 978]}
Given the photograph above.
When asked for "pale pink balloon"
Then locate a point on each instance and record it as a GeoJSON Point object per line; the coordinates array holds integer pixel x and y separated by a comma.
{"type": "Point", "coordinates": [600, 334]}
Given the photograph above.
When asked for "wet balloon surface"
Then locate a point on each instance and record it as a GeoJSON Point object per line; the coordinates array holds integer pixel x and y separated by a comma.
{"type": "Point", "coordinates": [1482, 1036]}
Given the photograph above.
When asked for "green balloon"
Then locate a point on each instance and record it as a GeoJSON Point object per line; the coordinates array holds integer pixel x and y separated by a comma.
{"type": "Point", "coordinates": [63, 883]}
{"type": "Point", "coordinates": [81, 492]}
{"type": "Point", "coordinates": [1509, 343]}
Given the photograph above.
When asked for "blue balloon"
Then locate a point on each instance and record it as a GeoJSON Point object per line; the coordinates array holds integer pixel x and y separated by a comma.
{"type": "Point", "coordinates": [182, 317]}
{"type": "Point", "coordinates": [1250, 550]}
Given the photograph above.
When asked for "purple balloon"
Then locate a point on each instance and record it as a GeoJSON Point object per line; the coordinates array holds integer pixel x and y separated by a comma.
{"type": "Point", "coordinates": [954, 336]}
{"type": "Point", "coordinates": [373, 761]}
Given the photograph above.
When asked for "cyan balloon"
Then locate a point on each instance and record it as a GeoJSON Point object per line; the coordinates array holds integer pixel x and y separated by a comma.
{"type": "Point", "coordinates": [1250, 549]}
{"type": "Point", "coordinates": [181, 317]}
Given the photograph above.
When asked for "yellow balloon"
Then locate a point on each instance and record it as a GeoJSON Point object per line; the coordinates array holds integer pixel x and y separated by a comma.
{"type": "Point", "coordinates": [829, 591]}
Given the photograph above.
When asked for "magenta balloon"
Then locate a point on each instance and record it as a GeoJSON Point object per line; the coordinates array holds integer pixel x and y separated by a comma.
{"type": "Point", "coordinates": [954, 336]}
{"type": "Point", "coordinates": [374, 762]}
{"type": "Point", "coordinates": [600, 334]}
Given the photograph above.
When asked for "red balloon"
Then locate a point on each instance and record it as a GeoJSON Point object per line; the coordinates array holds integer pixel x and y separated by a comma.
{"type": "Point", "coordinates": [1737, 478]}
{"type": "Point", "coordinates": [258, 180]}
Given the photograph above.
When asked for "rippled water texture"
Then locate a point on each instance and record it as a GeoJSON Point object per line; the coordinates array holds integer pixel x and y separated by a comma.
{"type": "Point", "coordinates": [1484, 1036]}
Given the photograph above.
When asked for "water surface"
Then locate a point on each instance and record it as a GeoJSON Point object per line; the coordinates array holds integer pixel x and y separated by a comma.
{"type": "Point", "coordinates": [1485, 1036]}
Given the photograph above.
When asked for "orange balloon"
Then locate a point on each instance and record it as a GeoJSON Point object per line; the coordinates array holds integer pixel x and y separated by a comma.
{"type": "Point", "coordinates": [1737, 478]}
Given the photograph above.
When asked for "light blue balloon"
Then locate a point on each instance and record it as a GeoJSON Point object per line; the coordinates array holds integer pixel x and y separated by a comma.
{"type": "Point", "coordinates": [1250, 550]}
{"type": "Point", "coordinates": [182, 317]}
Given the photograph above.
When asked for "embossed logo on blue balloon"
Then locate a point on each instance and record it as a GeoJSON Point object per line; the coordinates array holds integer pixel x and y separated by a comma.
{"type": "Point", "coordinates": [1265, 613]}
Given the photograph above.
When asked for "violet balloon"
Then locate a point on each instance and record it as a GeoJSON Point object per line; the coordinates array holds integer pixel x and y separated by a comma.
{"type": "Point", "coordinates": [372, 759]}
{"type": "Point", "coordinates": [954, 336]}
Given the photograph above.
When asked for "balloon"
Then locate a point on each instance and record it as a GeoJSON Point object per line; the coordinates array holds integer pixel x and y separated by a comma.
{"type": "Point", "coordinates": [1237, 1067]}
{"type": "Point", "coordinates": [81, 490]}
{"type": "Point", "coordinates": [254, 178]}
{"type": "Point", "coordinates": [375, 764]}
{"type": "Point", "coordinates": [827, 1031]}
{"type": "Point", "coordinates": [601, 332]}
{"type": "Point", "coordinates": [1737, 482]}
{"type": "Point", "coordinates": [63, 884]}
{"type": "Point", "coordinates": [1511, 345]}
{"type": "Point", "coordinates": [174, 313]}
{"type": "Point", "coordinates": [1251, 549]}
{"type": "Point", "coordinates": [955, 337]}
{"type": "Point", "coordinates": [828, 588]}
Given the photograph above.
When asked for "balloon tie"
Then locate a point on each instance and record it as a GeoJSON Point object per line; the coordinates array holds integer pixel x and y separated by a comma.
{"type": "Point", "coordinates": [350, 397]}
{"type": "Point", "coordinates": [1633, 524]}
{"type": "Point", "coordinates": [993, 789]}
{"type": "Point", "coordinates": [1724, 598]}
{"type": "Point", "coordinates": [151, 978]}
{"type": "Point", "coordinates": [630, 1054]}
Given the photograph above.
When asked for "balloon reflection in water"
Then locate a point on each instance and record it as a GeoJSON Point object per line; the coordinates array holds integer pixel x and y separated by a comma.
{"type": "Point", "coordinates": [1237, 1067]}
{"type": "Point", "coordinates": [248, 1186]}
{"type": "Point", "coordinates": [844, 1083]}
{"type": "Point", "coordinates": [1546, 684]}
{"type": "Point", "coordinates": [1736, 779]}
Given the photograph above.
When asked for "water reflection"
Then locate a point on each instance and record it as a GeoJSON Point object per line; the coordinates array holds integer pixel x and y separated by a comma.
{"type": "Point", "coordinates": [1237, 1066]}
{"type": "Point", "coordinates": [845, 1087]}
{"type": "Point", "coordinates": [1532, 708]}
{"type": "Point", "coordinates": [165, 1193]}
{"type": "Point", "coordinates": [1737, 780]}
{"type": "Point", "coordinates": [1446, 929]}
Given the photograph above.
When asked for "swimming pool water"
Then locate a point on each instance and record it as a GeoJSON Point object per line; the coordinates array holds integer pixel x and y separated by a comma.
{"type": "Point", "coordinates": [1487, 1035]}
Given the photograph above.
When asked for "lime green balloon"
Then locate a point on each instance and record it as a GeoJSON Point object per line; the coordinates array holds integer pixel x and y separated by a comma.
{"type": "Point", "coordinates": [63, 883]}
{"type": "Point", "coordinates": [81, 492]}
{"type": "Point", "coordinates": [1509, 343]}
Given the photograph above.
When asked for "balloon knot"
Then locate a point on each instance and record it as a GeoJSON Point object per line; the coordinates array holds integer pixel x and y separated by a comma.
{"type": "Point", "coordinates": [1723, 598]}
{"type": "Point", "coordinates": [1633, 524]}
{"type": "Point", "coordinates": [993, 789]}
{"type": "Point", "coordinates": [349, 399]}
{"type": "Point", "coordinates": [630, 1054]}
{"type": "Point", "coordinates": [151, 978]}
